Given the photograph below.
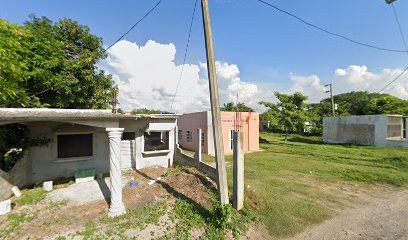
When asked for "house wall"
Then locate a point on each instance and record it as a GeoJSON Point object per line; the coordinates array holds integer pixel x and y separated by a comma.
{"type": "Point", "coordinates": [249, 125]}
{"type": "Point", "coordinates": [45, 163]}
{"type": "Point", "coordinates": [144, 159]}
{"type": "Point", "coordinates": [191, 122]}
{"type": "Point", "coordinates": [364, 130]}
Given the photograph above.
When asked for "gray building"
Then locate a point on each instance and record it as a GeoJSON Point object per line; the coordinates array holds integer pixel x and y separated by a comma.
{"type": "Point", "coordinates": [83, 139]}
{"type": "Point", "coordinates": [376, 130]}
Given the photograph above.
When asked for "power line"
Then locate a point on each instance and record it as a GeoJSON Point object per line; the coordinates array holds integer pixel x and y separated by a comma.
{"type": "Point", "coordinates": [185, 55]}
{"type": "Point", "coordinates": [403, 41]}
{"type": "Point", "coordinates": [329, 32]}
{"type": "Point", "coordinates": [399, 26]}
{"type": "Point", "coordinates": [134, 25]}
{"type": "Point", "coordinates": [395, 79]}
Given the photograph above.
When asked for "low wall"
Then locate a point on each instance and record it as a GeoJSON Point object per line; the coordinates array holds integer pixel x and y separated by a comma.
{"type": "Point", "coordinates": [184, 160]}
{"type": "Point", "coordinates": [18, 176]}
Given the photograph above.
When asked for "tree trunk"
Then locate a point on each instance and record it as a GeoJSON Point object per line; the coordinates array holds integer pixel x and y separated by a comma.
{"type": "Point", "coordinates": [286, 135]}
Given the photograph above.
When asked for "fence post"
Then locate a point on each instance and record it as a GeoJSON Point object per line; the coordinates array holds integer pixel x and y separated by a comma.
{"type": "Point", "coordinates": [238, 202]}
{"type": "Point", "coordinates": [198, 147]}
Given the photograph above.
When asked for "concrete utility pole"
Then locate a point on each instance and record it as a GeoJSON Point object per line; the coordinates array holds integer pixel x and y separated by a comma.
{"type": "Point", "coordinates": [215, 106]}
{"type": "Point", "coordinates": [238, 202]}
{"type": "Point", "coordinates": [332, 99]}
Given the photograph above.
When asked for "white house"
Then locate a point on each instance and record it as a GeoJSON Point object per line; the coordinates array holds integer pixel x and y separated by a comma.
{"type": "Point", "coordinates": [82, 139]}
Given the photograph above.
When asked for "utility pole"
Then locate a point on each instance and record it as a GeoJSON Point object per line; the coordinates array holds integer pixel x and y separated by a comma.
{"type": "Point", "coordinates": [332, 99]}
{"type": "Point", "coordinates": [215, 106]}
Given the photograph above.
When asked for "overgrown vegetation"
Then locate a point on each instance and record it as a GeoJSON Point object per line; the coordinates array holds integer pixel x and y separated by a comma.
{"type": "Point", "coordinates": [14, 221]}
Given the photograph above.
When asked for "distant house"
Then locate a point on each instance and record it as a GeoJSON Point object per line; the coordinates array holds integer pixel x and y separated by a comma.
{"type": "Point", "coordinates": [376, 130]}
{"type": "Point", "coordinates": [83, 139]}
{"type": "Point", "coordinates": [248, 122]}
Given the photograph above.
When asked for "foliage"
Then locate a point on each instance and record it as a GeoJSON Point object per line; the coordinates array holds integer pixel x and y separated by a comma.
{"type": "Point", "coordinates": [145, 111]}
{"type": "Point", "coordinates": [290, 111]}
{"type": "Point", "coordinates": [240, 107]}
{"type": "Point", "coordinates": [47, 64]}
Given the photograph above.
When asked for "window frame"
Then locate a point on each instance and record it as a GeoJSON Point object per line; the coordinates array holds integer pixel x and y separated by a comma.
{"type": "Point", "coordinates": [144, 151]}
{"type": "Point", "coordinates": [73, 159]}
{"type": "Point", "coordinates": [189, 136]}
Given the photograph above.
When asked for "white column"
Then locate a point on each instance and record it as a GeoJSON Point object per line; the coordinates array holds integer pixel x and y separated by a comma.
{"type": "Point", "coordinates": [117, 207]}
{"type": "Point", "coordinates": [198, 146]}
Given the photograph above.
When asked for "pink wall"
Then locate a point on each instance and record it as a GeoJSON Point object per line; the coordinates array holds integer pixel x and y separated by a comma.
{"type": "Point", "coordinates": [249, 124]}
{"type": "Point", "coordinates": [191, 122]}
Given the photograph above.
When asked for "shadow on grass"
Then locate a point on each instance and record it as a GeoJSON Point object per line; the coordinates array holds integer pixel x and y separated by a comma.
{"type": "Point", "coordinates": [305, 140]}
{"type": "Point", "coordinates": [263, 140]}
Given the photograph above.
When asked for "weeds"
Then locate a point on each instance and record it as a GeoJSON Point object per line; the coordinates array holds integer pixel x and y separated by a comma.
{"type": "Point", "coordinates": [31, 196]}
{"type": "Point", "coordinates": [14, 222]}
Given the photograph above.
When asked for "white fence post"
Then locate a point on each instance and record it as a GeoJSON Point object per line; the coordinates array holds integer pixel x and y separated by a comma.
{"type": "Point", "coordinates": [198, 146]}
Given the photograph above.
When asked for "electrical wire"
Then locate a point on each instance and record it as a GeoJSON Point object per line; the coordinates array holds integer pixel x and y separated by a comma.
{"type": "Point", "coordinates": [329, 32]}
{"type": "Point", "coordinates": [185, 55]}
{"type": "Point", "coordinates": [395, 79]}
{"type": "Point", "coordinates": [399, 26]}
{"type": "Point", "coordinates": [403, 41]}
{"type": "Point", "coordinates": [134, 25]}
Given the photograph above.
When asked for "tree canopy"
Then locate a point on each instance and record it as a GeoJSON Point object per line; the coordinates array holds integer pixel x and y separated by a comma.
{"type": "Point", "coordinates": [47, 64]}
{"type": "Point", "coordinates": [289, 112]}
{"type": "Point", "coordinates": [240, 107]}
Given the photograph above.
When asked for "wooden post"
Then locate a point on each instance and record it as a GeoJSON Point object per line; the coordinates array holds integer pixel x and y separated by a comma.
{"type": "Point", "coordinates": [238, 138]}
{"type": "Point", "coordinates": [215, 107]}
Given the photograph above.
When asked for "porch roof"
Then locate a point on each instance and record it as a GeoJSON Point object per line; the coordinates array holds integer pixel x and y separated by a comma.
{"type": "Point", "coordinates": [49, 114]}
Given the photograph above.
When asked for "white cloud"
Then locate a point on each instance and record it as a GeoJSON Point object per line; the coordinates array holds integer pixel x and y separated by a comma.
{"type": "Point", "coordinates": [147, 76]}
{"type": "Point", "coordinates": [352, 78]}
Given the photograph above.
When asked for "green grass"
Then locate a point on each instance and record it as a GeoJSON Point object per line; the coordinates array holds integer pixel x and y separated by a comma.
{"type": "Point", "coordinates": [287, 204]}
{"type": "Point", "coordinates": [31, 196]}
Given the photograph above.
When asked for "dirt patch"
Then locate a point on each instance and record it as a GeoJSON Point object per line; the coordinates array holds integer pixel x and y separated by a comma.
{"type": "Point", "coordinates": [379, 214]}
{"type": "Point", "coordinates": [51, 219]}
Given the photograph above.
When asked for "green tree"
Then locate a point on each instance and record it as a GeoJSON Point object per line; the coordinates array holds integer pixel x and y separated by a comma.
{"type": "Point", "coordinates": [291, 111]}
{"type": "Point", "coordinates": [240, 107]}
{"type": "Point", "coordinates": [52, 65]}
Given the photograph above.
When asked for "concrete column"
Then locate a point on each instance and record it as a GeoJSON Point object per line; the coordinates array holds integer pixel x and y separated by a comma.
{"type": "Point", "coordinates": [198, 148]}
{"type": "Point", "coordinates": [117, 207]}
{"type": "Point", "coordinates": [406, 131]}
{"type": "Point", "coordinates": [238, 139]}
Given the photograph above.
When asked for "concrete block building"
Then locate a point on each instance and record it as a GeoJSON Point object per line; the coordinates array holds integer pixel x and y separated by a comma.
{"type": "Point", "coordinates": [248, 122]}
{"type": "Point", "coordinates": [375, 130]}
{"type": "Point", "coordinates": [82, 139]}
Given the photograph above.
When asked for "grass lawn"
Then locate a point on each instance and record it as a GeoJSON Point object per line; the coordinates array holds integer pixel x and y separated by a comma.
{"type": "Point", "coordinates": [286, 180]}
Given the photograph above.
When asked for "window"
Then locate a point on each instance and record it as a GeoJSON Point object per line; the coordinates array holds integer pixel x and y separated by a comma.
{"type": "Point", "coordinates": [189, 135]}
{"type": "Point", "coordinates": [128, 136]}
{"type": "Point", "coordinates": [156, 141]}
{"type": "Point", "coordinates": [231, 139]}
{"type": "Point", "coordinates": [180, 134]}
{"type": "Point", "coordinates": [202, 139]}
{"type": "Point", "coordinates": [75, 145]}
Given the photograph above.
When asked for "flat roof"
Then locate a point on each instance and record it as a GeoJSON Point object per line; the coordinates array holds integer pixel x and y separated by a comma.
{"type": "Point", "coordinates": [33, 114]}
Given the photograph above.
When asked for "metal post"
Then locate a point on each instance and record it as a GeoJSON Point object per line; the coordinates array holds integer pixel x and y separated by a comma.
{"type": "Point", "coordinates": [238, 202]}
{"type": "Point", "coordinates": [215, 106]}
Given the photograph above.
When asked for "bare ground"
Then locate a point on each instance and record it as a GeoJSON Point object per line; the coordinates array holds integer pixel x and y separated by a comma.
{"type": "Point", "coordinates": [62, 218]}
{"type": "Point", "coordinates": [382, 214]}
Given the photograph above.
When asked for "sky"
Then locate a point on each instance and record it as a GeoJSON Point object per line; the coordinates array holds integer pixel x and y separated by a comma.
{"type": "Point", "coordinates": [258, 49]}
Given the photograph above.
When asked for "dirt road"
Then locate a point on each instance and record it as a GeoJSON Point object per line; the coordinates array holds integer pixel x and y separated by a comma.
{"type": "Point", "coordinates": [380, 216]}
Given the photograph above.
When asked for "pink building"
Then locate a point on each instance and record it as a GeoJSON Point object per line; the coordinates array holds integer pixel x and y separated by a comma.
{"type": "Point", "coordinates": [188, 124]}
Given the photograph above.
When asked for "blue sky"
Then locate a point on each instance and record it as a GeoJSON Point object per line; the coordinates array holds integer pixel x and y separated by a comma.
{"type": "Point", "coordinates": [266, 45]}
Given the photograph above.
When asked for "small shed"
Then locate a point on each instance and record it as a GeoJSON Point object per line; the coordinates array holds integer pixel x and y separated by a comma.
{"type": "Point", "coordinates": [375, 130]}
